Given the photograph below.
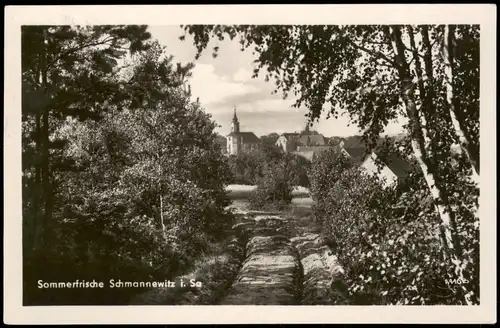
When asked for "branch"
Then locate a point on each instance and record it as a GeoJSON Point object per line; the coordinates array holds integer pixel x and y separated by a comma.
{"type": "Point", "coordinates": [376, 54]}
{"type": "Point", "coordinates": [78, 49]}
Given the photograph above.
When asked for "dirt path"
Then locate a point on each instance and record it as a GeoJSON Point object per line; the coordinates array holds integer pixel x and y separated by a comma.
{"type": "Point", "coordinates": [281, 269]}
{"type": "Point", "coordinates": [273, 259]}
{"type": "Point", "coordinates": [271, 270]}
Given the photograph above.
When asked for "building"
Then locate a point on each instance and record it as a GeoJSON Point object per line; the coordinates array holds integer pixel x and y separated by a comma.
{"type": "Point", "coordinates": [388, 167]}
{"type": "Point", "coordinates": [238, 142]}
{"type": "Point", "coordinates": [310, 153]}
{"type": "Point", "coordinates": [290, 142]}
{"type": "Point", "coordinates": [392, 169]}
{"type": "Point", "coordinates": [355, 154]}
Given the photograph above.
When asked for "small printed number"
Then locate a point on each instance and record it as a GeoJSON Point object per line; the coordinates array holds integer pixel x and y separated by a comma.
{"type": "Point", "coordinates": [457, 281]}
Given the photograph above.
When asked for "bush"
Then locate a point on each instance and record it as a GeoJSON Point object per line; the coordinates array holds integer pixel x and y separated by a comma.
{"type": "Point", "coordinates": [387, 240]}
{"type": "Point", "coordinates": [247, 168]}
{"type": "Point", "coordinates": [107, 216]}
{"type": "Point", "coordinates": [274, 190]}
{"type": "Point", "coordinates": [325, 170]}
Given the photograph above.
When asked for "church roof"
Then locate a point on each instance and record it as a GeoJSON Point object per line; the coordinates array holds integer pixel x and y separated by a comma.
{"type": "Point", "coordinates": [248, 137]}
{"type": "Point", "coordinates": [288, 136]}
{"type": "Point", "coordinates": [235, 118]}
{"type": "Point", "coordinates": [317, 139]}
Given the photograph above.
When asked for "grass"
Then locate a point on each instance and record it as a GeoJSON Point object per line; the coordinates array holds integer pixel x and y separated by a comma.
{"type": "Point", "coordinates": [216, 270]}
{"type": "Point", "coordinates": [237, 191]}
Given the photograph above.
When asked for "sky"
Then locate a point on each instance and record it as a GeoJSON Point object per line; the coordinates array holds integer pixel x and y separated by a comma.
{"type": "Point", "coordinates": [226, 82]}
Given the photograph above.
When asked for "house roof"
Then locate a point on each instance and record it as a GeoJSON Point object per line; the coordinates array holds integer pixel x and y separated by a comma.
{"type": "Point", "coordinates": [290, 135]}
{"type": "Point", "coordinates": [357, 154]}
{"type": "Point", "coordinates": [399, 166]}
{"type": "Point", "coordinates": [310, 152]}
{"type": "Point", "coordinates": [396, 164]}
{"type": "Point", "coordinates": [314, 148]}
{"type": "Point", "coordinates": [356, 149]}
{"type": "Point", "coordinates": [248, 137]}
{"type": "Point", "coordinates": [317, 139]}
{"type": "Point", "coordinates": [353, 142]}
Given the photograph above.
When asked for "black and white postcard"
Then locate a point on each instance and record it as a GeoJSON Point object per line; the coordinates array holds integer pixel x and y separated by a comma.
{"type": "Point", "coordinates": [250, 164]}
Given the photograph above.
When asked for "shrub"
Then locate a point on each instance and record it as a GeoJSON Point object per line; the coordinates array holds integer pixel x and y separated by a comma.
{"type": "Point", "coordinates": [107, 217]}
{"type": "Point", "coordinates": [247, 168]}
{"type": "Point", "coordinates": [387, 240]}
{"type": "Point", "coordinates": [274, 190]}
{"type": "Point", "coordinates": [325, 170]}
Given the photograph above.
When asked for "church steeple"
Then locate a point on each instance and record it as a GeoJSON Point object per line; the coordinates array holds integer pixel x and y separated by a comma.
{"type": "Point", "coordinates": [306, 130]}
{"type": "Point", "coordinates": [235, 118]}
{"type": "Point", "coordinates": [235, 125]}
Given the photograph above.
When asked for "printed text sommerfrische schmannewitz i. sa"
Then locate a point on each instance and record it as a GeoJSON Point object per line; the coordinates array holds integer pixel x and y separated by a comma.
{"type": "Point", "coordinates": [118, 283]}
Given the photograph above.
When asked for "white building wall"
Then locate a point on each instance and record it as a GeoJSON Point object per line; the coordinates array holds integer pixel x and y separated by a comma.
{"type": "Point", "coordinates": [281, 142]}
{"type": "Point", "coordinates": [371, 167]}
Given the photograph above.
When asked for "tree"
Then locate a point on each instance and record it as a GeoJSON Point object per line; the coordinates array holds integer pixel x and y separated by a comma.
{"type": "Point", "coordinates": [135, 173]}
{"type": "Point", "coordinates": [270, 139]}
{"type": "Point", "coordinates": [247, 167]}
{"type": "Point", "coordinates": [274, 189]}
{"type": "Point", "coordinates": [377, 73]}
{"type": "Point", "coordinates": [326, 170]}
{"type": "Point", "coordinates": [67, 71]}
{"type": "Point", "coordinates": [222, 141]}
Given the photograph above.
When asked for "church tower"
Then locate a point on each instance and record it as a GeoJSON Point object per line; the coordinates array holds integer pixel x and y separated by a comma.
{"type": "Point", "coordinates": [234, 138]}
{"type": "Point", "coordinates": [306, 129]}
{"type": "Point", "coordinates": [235, 124]}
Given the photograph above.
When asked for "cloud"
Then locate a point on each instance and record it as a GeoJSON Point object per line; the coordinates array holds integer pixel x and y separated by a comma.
{"type": "Point", "coordinates": [262, 123]}
{"type": "Point", "coordinates": [270, 105]}
{"type": "Point", "coordinates": [213, 88]}
{"type": "Point", "coordinates": [227, 80]}
{"type": "Point", "coordinates": [242, 75]}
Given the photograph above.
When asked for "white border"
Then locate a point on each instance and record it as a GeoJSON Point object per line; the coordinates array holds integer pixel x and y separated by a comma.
{"type": "Point", "coordinates": [15, 16]}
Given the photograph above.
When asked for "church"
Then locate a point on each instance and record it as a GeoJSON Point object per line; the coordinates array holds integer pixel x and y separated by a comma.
{"type": "Point", "coordinates": [239, 142]}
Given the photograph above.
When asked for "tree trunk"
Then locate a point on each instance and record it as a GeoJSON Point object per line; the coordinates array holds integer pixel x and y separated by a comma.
{"type": "Point", "coordinates": [37, 226]}
{"type": "Point", "coordinates": [465, 145]}
{"type": "Point", "coordinates": [162, 217]}
{"type": "Point", "coordinates": [417, 139]}
{"type": "Point", "coordinates": [45, 159]}
{"type": "Point", "coordinates": [46, 185]}
{"type": "Point", "coordinates": [428, 69]}
{"type": "Point", "coordinates": [421, 87]}
{"type": "Point", "coordinates": [452, 249]}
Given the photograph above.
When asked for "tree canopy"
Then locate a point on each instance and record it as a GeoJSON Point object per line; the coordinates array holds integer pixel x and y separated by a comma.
{"type": "Point", "coordinates": [122, 174]}
{"type": "Point", "coordinates": [377, 74]}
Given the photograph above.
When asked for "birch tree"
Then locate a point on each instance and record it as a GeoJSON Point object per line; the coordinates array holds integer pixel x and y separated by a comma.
{"type": "Point", "coordinates": [376, 74]}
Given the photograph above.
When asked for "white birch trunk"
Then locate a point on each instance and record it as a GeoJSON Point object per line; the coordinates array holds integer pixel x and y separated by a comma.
{"type": "Point", "coordinates": [422, 154]}
{"type": "Point", "coordinates": [162, 218]}
{"type": "Point", "coordinates": [449, 37]}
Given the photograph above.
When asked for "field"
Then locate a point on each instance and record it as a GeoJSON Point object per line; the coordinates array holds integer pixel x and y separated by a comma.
{"type": "Point", "coordinates": [238, 191]}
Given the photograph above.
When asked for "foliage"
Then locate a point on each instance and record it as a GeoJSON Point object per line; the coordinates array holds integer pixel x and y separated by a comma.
{"type": "Point", "coordinates": [325, 171]}
{"type": "Point", "coordinates": [247, 167]}
{"type": "Point", "coordinates": [280, 176]}
{"type": "Point", "coordinates": [274, 191]}
{"type": "Point", "coordinates": [270, 139]}
{"type": "Point", "coordinates": [136, 188]}
{"type": "Point", "coordinates": [378, 74]}
{"type": "Point", "coordinates": [387, 239]}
